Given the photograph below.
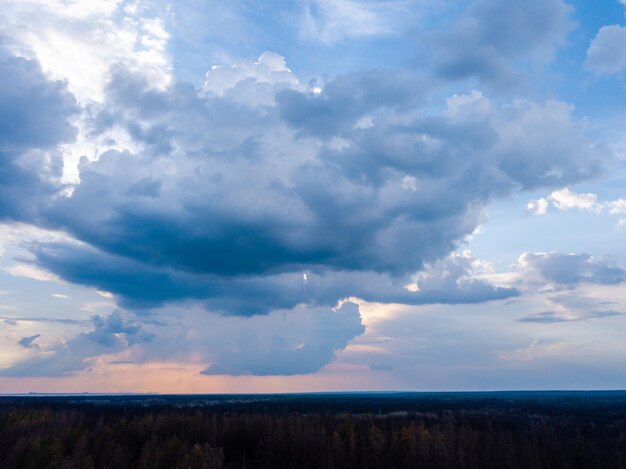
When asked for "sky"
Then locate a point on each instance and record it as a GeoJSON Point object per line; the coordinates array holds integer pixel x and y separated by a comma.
{"type": "Point", "coordinates": [312, 195]}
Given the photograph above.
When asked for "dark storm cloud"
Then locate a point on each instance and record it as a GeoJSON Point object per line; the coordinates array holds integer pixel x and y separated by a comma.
{"type": "Point", "coordinates": [229, 203]}
{"type": "Point", "coordinates": [35, 118]}
{"type": "Point", "coordinates": [261, 196]}
{"type": "Point", "coordinates": [137, 285]}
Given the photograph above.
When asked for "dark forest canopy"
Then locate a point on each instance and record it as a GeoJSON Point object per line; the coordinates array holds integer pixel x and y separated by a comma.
{"type": "Point", "coordinates": [484, 430]}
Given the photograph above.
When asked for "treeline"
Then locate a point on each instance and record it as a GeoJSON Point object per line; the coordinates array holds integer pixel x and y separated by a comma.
{"type": "Point", "coordinates": [115, 437]}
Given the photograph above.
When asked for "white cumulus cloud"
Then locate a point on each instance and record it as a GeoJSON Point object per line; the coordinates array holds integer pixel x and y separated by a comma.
{"type": "Point", "coordinates": [538, 206]}
{"type": "Point", "coordinates": [565, 199]}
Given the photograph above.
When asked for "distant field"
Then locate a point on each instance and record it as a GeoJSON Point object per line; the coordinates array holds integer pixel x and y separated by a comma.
{"type": "Point", "coordinates": [361, 430]}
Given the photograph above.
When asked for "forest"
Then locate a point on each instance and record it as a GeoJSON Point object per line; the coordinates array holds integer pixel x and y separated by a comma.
{"type": "Point", "coordinates": [442, 431]}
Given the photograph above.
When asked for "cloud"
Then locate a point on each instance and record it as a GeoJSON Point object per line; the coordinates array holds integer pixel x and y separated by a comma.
{"type": "Point", "coordinates": [455, 280]}
{"type": "Point", "coordinates": [330, 21]}
{"type": "Point", "coordinates": [32, 272]}
{"type": "Point", "coordinates": [573, 308]}
{"type": "Point", "coordinates": [381, 367]}
{"type": "Point", "coordinates": [298, 341]}
{"type": "Point", "coordinates": [243, 82]}
{"type": "Point", "coordinates": [607, 51]}
{"type": "Point", "coordinates": [578, 302]}
{"type": "Point", "coordinates": [29, 342]}
{"type": "Point", "coordinates": [569, 270]}
{"type": "Point", "coordinates": [110, 330]}
{"type": "Point", "coordinates": [256, 202]}
{"type": "Point", "coordinates": [492, 35]}
{"type": "Point", "coordinates": [282, 342]}
{"type": "Point", "coordinates": [617, 206]}
{"type": "Point", "coordinates": [37, 109]}
{"type": "Point", "coordinates": [546, 272]}
{"type": "Point", "coordinates": [538, 206]}
{"type": "Point", "coordinates": [566, 199]}
{"type": "Point", "coordinates": [550, 317]}
{"type": "Point", "coordinates": [35, 120]}
{"type": "Point", "coordinates": [546, 317]}
{"type": "Point", "coordinates": [507, 145]}
{"type": "Point", "coordinates": [15, 320]}
{"type": "Point", "coordinates": [328, 333]}
{"type": "Point", "coordinates": [228, 201]}
{"type": "Point", "coordinates": [140, 286]}
{"type": "Point", "coordinates": [108, 336]}
{"type": "Point", "coordinates": [77, 41]}
{"type": "Point", "coordinates": [346, 100]}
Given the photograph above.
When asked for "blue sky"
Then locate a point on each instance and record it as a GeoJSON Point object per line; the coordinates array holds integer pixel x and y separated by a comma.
{"type": "Point", "coordinates": [208, 196]}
